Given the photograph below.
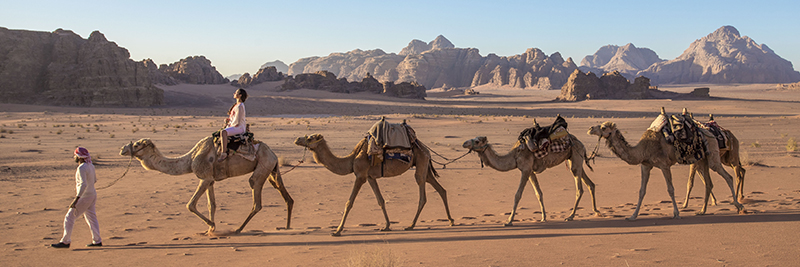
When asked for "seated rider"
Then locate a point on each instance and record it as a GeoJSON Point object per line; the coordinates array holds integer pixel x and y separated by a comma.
{"type": "Point", "coordinates": [235, 123]}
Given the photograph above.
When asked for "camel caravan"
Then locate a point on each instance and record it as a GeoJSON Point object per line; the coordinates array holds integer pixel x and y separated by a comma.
{"type": "Point", "coordinates": [391, 149]}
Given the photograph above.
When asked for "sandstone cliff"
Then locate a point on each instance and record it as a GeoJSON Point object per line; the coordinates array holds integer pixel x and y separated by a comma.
{"type": "Point", "coordinates": [582, 86]}
{"type": "Point", "coordinates": [724, 57]}
{"type": "Point", "coordinates": [327, 81]}
{"type": "Point", "coordinates": [61, 68]}
{"type": "Point", "coordinates": [267, 74]}
{"type": "Point", "coordinates": [440, 64]}
{"type": "Point", "coordinates": [194, 70]}
{"type": "Point", "coordinates": [279, 66]}
{"type": "Point", "coordinates": [627, 59]}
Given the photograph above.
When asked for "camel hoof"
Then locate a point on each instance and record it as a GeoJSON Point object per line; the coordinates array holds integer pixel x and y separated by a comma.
{"type": "Point", "coordinates": [387, 229]}
{"type": "Point", "coordinates": [336, 234]}
{"type": "Point", "coordinates": [630, 219]}
{"type": "Point", "coordinates": [684, 206]}
{"type": "Point", "coordinates": [742, 211]}
{"type": "Point", "coordinates": [599, 215]}
{"type": "Point", "coordinates": [508, 224]}
{"type": "Point", "coordinates": [676, 217]}
{"type": "Point", "coordinates": [700, 213]}
{"type": "Point", "coordinates": [568, 219]}
{"type": "Point", "coordinates": [409, 228]}
{"type": "Point", "coordinates": [452, 222]}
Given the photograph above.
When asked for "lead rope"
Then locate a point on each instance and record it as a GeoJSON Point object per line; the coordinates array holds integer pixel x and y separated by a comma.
{"type": "Point", "coordinates": [298, 162]}
{"type": "Point", "coordinates": [595, 151]}
{"type": "Point", "coordinates": [444, 165]}
{"type": "Point", "coordinates": [124, 173]}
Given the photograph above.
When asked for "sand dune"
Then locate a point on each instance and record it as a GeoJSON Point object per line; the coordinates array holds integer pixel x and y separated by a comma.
{"type": "Point", "coordinates": [144, 220]}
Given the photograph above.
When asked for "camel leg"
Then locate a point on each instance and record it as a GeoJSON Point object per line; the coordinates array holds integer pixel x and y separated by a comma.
{"type": "Point", "coordinates": [422, 198]}
{"type": "Point", "coordinates": [717, 167]}
{"type": "Point", "coordinates": [349, 205]}
{"type": "Point", "coordinates": [539, 195]}
{"type": "Point", "coordinates": [523, 178]}
{"type": "Point", "coordinates": [740, 171]}
{"type": "Point", "coordinates": [671, 190]}
{"type": "Point", "coordinates": [576, 174]}
{"type": "Point", "coordinates": [588, 182]}
{"type": "Point", "coordinates": [443, 194]}
{"type": "Point", "coordinates": [703, 169]}
{"type": "Point", "coordinates": [192, 205]}
{"type": "Point", "coordinates": [256, 186]}
{"type": "Point", "coordinates": [689, 185]}
{"type": "Point", "coordinates": [642, 190]}
{"type": "Point", "coordinates": [277, 183]}
{"type": "Point", "coordinates": [374, 184]}
{"type": "Point", "coordinates": [212, 202]}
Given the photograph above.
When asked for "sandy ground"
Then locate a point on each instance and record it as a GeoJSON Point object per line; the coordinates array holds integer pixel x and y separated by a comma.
{"type": "Point", "coordinates": [144, 220]}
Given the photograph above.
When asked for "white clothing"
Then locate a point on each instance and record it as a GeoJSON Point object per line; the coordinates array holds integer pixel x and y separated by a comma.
{"type": "Point", "coordinates": [84, 184]}
{"type": "Point", "coordinates": [237, 124]}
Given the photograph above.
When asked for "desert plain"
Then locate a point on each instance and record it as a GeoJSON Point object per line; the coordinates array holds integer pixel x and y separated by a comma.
{"type": "Point", "coordinates": [144, 220]}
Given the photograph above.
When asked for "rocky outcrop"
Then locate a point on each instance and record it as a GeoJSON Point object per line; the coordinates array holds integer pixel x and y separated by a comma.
{"type": "Point", "coordinates": [724, 57]}
{"type": "Point", "coordinates": [268, 74]}
{"type": "Point", "coordinates": [61, 68]}
{"type": "Point", "coordinates": [157, 76]}
{"type": "Point", "coordinates": [279, 66]}
{"type": "Point", "coordinates": [627, 59]}
{"type": "Point", "coordinates": [194, 70]}
{"type": "Point", "coordinates": [790, 86]}
{"type": "Point", "coordinates": [531, 70]}
{"type": "Point", "coordinates": [582, 86]}
{"type": "Point", "coordinates": [327, 81]}
{"type": "Point", "coordinates": [440, 64]}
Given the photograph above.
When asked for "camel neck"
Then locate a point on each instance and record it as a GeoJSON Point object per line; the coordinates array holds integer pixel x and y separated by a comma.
{"type": "Point", "coordinates": [172, 166]}
{"type": "Point", "coordinates": [616, 142]}
{"type": "Point", "coordinates": [341, 166]}
{"type": "Point", "coordinates": [501, 163]}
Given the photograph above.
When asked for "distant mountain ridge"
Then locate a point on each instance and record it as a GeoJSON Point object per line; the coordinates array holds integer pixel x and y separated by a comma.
{"type": "Point", "coordinates": [440, 64]}
{"type": "Point", "coordinates": [279, 66]}
{"type": "Point", "coordinates": [627, 59]}
{"type": "Point", "coordinates": [724, 56]}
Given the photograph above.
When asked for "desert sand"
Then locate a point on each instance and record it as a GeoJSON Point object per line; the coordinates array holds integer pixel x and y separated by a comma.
{"type": "Point", "coordinates": [144, 220]}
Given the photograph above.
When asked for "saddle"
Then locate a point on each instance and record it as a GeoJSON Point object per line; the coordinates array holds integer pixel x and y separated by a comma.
{"type": "Point", "coordinates": [390, 141]}
{"type": "Point", "coordinates": [717, 131]}
{"type": "Point", "coordinates": [683, 132]}
{"type": "Point", "coordinates": [241, 144]}
{"type": "Point", "coordinates": [543, 140]}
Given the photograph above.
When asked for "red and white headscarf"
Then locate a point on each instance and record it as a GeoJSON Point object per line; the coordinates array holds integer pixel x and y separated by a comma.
{"type": "Point", "coordinates": [83, 153]}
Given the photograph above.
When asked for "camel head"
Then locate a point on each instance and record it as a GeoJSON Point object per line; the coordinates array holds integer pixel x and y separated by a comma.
{"type": "Point", "coordinates": [136, 148]}
{"type": "Point", "coordinates": [478, 143]}
{"type": "Point", "coordinates": [309, 141]}
{"type": "Point", "coordinates": [603, 130]}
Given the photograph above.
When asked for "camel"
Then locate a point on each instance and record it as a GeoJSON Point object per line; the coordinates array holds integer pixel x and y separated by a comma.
{"type": "Point", "coordinates": [729, 157]}
{"type": "Point", "coordinates": [523, 159]}
{"type": "Point", "coordinates": [358, 162]}
{"type": "Point", "coordinates": [199, 161]}
{"type": "Point", "coordinates": [653, 150]}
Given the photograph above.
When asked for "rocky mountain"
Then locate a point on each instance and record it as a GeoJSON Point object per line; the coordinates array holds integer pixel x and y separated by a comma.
{"type": "Point", "coordinates": [268, 74]}
{"type": "Point", "coordinates": [724, 56]}
{"type": "Point", "coordinates": [327, 81]}
{"type": "Point", "coordinates": [279, 66]}
{"type": "Point", "coordinates": [61, 68]}
{"type": "Point", "coordinates": [193, 70]}
{"type": "Point", "coordinates": [627, 59]}
{"type": "Point", "coordinates": [439, 64]}
{"type": "Point", "coordinates": [612, 85]}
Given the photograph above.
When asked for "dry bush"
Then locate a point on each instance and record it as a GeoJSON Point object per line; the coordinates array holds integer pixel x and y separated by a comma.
{"type": "Point", "coordinates": [791, 145]}
{"type": "Point", "coordinates": [376, 257]}
{"type": "Point", "coordinates": [748, 160]}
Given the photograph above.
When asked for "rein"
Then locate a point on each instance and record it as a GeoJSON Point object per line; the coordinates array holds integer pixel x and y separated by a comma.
{"type": "Point", "coordinates": [444, 165]}
{"type": "Point", "coordinates": [124, 173]}
{"type": "Point", "coordinates": [595, 151]}
{"type": "Point", "coordinates": [298, 162]}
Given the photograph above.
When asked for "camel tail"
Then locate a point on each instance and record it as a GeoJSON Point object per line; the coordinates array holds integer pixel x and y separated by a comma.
{"type": "Point", "coordinates": [433, 170]}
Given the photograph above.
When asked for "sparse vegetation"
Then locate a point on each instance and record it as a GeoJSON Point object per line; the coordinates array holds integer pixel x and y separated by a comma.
{"type": "Point", "coordinates": [60, 132]}
{"type": "Point", "coordinates": [373, 258]}
{"type": "Point", "coordinates": [755, 144]}
{"type": "Point", "coordinates": [791, 145]}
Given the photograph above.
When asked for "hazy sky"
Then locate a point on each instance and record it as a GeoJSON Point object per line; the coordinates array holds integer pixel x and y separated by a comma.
{"type": "Point", "coordinates": [239, 36]}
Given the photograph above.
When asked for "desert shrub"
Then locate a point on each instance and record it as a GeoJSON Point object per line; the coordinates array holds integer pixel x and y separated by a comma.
{"type": "Point", "coordinates": [373, 258]}
{"type": "Point", "coordinates": [755, 144]}
{"type": "Point", "coordinates": [791, 145]}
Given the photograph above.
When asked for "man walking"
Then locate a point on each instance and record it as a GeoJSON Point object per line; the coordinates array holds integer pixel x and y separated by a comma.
{"type": "Point", "coordinates": [84, 201]}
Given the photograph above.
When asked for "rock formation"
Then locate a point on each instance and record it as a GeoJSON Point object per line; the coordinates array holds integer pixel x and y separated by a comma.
{"type": "Point", "coordinates": [157, 76]}
{"type": "Point", "coordinates": [279, 65]}
{"type": "Point", "coordinates": [533, 70]}
{"type": "Point", "coordinates": [440, 64]}
{"type": "Point", "coordinates": [724, 57]}
{"type": "Point", "coordinates": [61, 68]}
{"type": "Point", "coordinates": [194, 70]}
{"type": "Point", "coordinates": [582, 86]}
{"type": "Point", "coordinates": [790, 86]}
{"type": "Point", "coordinates": [327, 81]}
{"type": "Point", "coordinates": [627, 59]}
{"type": "Point", "coordinates": [268, 74]}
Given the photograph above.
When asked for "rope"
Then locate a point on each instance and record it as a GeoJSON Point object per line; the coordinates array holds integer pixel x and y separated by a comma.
{"type": "Point", "coordinates": [298, 162]}
{"type": "Point", "coordinates": [595, 151]}
{"type": "Point", "coordinates": [444, 165]}
{"type": "Point", "coordinates": [123, 174]}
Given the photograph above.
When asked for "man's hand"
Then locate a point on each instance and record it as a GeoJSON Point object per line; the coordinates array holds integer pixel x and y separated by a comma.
{"type": "Point", "coordinates": [74, 202]}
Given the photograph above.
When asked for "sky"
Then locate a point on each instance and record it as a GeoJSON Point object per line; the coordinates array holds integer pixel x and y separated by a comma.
{"type": "Point", "coordinates": [240, 36]}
